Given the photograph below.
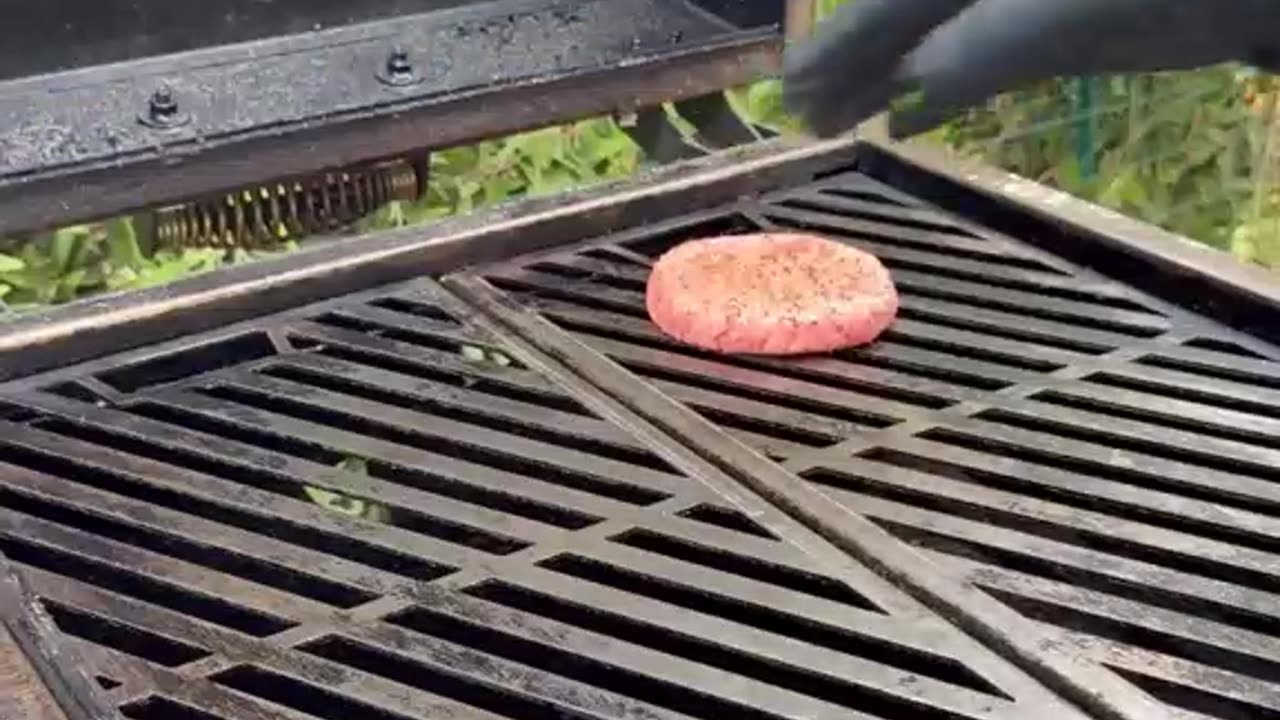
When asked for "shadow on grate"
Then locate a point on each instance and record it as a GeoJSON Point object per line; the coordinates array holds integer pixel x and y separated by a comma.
{"type": "Point", "coordinates": [380, 508]}
{"type": "Point", "coordinates": [1105, 466]}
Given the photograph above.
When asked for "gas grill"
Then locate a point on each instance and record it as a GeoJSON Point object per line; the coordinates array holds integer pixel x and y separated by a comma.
{"type": "Point", "coordinates": [454, 471]}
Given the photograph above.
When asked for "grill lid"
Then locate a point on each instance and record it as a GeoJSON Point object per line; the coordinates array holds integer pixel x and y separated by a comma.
{"type": "Point", "coordinates": [1099, 462]}
{"type": "Point", "coordinates": [380, 507]}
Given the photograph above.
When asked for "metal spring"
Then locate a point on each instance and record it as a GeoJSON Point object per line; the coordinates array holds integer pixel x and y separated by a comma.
{"type": "Point", "coordinates": [271, 214]}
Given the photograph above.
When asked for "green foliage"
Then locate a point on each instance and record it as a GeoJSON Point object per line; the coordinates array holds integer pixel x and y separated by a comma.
{"type": "Point", "coordinates": [350, 505]}
{"type": "Point", "coordinates": [541, 162]}
{"type": "Point", "coordinates": [84, 260]}
{"type": "Point", "coordinates": [1193, 152]}
{"type": "Point", "coordinates": [1186, 151]}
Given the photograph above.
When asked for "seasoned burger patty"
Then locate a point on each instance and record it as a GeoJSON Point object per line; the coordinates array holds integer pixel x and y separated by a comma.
{"type": "Point", "coordinates": [771, 294]}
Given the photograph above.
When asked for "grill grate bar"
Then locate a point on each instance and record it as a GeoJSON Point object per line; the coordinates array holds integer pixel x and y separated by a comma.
{"type": "Point", "coordinates": [156, 580]}
{"type": "Point", "coordinates": [1131, 467]}
{"type": "Point", "coordinates": [1195, 595]}
{"type": "Point", "coordinates": [1126, 622]}
{"type": "Point", "coordinates": [1109, 428]}
{"type": "Point", "coordinates": [1110, 532]}
{"type": "Point", "coordinates": [644, 622]}
{"type": "Point", "coordinates": [446, 401]}
{"type": "Point", "coordinates": [1140, 502]}
{"type": "Point", "coordinates": [888, 390]}
{"type": "Point", "coordinates": [286, 397]}
{"type": "Point", "coordinates": [212, 499]}
{"type": "Point", "coordinates": [1100, 464]}
{"type": "Point", "coordinates": [494, 476]}
{"type": "Point", "coordinates": [378, 351]}
{"type": "Point", "coordinates": [175, 535]}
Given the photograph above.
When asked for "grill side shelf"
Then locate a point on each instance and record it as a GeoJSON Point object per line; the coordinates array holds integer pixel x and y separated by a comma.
{"type": "Point", "coordinates": [383, 506]}
{"type": "Point", "coordinates": [1081, 475]}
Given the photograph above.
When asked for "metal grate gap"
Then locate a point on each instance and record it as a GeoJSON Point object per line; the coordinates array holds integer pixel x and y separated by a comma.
{"type": "Point", "coordinates": [1049, 530]}
{"type": "Point", "coordinates": [1127, 633]}
{"type": "Point", "coordinates": [1230, 374]}
{"type": "Point", "coordinates": [107, 683]}
{"type": "Point", "coordinates": [408, 672]}
{"type": "Point", "coordinates": [949, 375]}
{"type": "Point", "coordinates": [616, 255]}
{"type": "Point", "coordinates": [969, 352]}
{"type": "Point", "coordinates": [545, 432]}
{"type": "Point", "coordinates": [883, 234]}
{"type": "Point", "coordinates": [702, 600]}
{"type": "Point", "coordinates": [941, 268]}
{"type": "Point", "coordinates": [1106, 471]}
{"type": "Point", "coordinates": [399, 516]}
{"type": "Point", "coordinates": [912, 289]}
{"type": "Point", "coordinates": [511, 504]}
{"type": "Point", "coordinates": [249, 568]}
{"type": "Point", "coordinates": [576, 667]}
{"type": "Point", "coordinates": [124, 638]}
{"type": "Point", "coordinates": [727, 519]}
{"type": "Point", "coordinates": [1176, 392]}
{"type": "Point", "coordinates": [150, 590]}
{"type": "Point", "coordinates": [293, 693]}
{"type": "Point", "coordinates": [546, 472]}
{"type": "Point", "coordinates": [1152, 417]}
{"type": "Point", "coordinates": [1224, 346]}
{"type": "Point", "coordinates": [341, 546]}
{"type": "Point", "coordinates": [14, 413]}
{"type": "Point", "coordinates": [894, 215]}
{"type": "Point", "coordinates": [865, 195]}
{"type": "Point", "coordinates": [746, 566]}
{"type": "Point", "coordinates": [1165, 597]}
{"type": "Point", "coordinates": [1007, 332]}
{"type": "Point", "coordinates": [486, 384]}
{"type": "Point", "coordinates": [793, 372]}
{"type": "Point", "coordinates": [1197, 701]}
{"type": "Point", "coordinates": [609, 279]}
{"type": "Point", "coordinates": [654, 244]}
{"type": "Point", "coordinates": [665, 640]}
{"type": "Point", "coordinates": [1081, 500]}
{"type": "Point", "coordinates": [416, 308]}
{"type": "Point", "coordinates": [276, 442]}
{"type": "Point", "coordinates": [399, 334]}
{"type": "Point", "coordinates": [632, 310]}
{"type": "Point", "coordinates": [806, 405]}
{"type": "Point", "coordinates": [190, 361]}
{"type": "Point", "coordinates": [162, 708]}
{"type": "Point", "coordinates": [1099, 436]}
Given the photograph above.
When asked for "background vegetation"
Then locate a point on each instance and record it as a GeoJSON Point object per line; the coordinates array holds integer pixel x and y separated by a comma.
{"type": "Point", "coordinates": [1193, 152]}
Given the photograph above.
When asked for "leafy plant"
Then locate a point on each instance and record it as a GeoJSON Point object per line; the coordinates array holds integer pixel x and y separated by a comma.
{"type": "Point", "coordinates": [1197, 153]}
{"type": "Point", "coordinates": [541, 162]}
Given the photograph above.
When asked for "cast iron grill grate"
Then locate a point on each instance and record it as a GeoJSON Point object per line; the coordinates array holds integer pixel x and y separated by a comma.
{"type": "Point", "coordinates": [378, 508]}
{"type": "Point", "coordinates": [1103, 463]}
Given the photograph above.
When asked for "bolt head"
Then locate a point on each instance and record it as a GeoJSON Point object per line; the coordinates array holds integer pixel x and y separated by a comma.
{"type": "Point", "coordinates": [162, 110]}
{"type": "Point", "coordinates": [398, 69]}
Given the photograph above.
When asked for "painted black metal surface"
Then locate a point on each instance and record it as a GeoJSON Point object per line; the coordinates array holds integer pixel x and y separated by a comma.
{"type": "Point", "coordinates": [1103, 463]}
{"type": "Point", "coordinates": [507, 544]}
{"type": "Point", "coordinates": [86, 141]}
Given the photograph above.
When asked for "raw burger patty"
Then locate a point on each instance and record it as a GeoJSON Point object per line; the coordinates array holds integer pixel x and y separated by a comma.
{"type": "Point", "coordinates": [771, 294]}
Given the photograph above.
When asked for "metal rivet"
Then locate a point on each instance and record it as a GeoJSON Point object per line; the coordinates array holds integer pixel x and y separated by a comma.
{"type": "Point", "coordinates": [398, 70]}
{"type": "Point", "coordinates": [163, 111]}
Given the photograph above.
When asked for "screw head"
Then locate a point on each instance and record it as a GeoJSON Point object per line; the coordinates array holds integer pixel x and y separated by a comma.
{"type": "Point", "coordinates": [163, 111]}
{"type": "Point", "coordinates": [398, 70]}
